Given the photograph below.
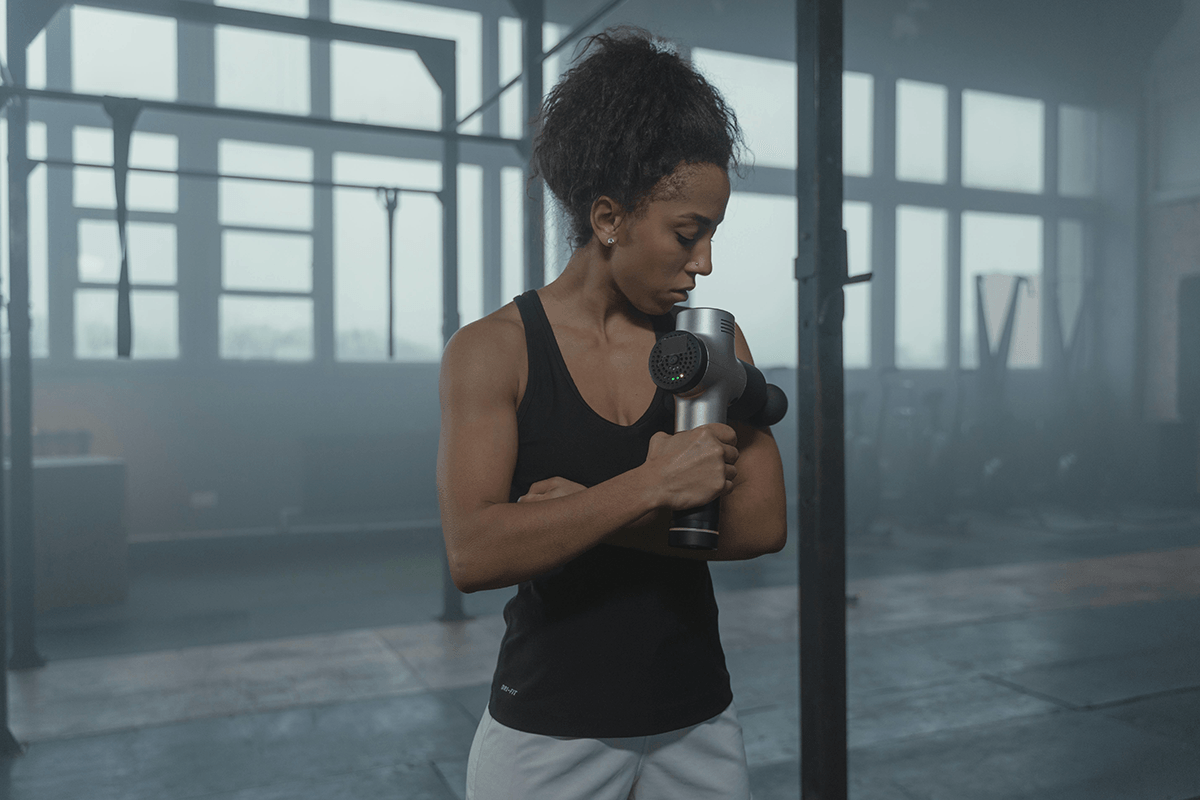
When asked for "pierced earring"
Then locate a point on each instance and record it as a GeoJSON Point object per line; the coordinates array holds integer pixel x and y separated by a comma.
{"type": "Point", "coordinates": [611, 240]}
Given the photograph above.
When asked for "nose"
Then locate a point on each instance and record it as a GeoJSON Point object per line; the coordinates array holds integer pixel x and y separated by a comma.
{"type": "Point", "coordinates": [702, 263]}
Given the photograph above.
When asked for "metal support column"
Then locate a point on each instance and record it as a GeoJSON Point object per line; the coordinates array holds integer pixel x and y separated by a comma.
{"type": "Point", "coordinates": [9, 746]}
{"type": "Point", "coordinates": [821, 274]}
{"type": "Point", "coordinates": [533, 15]}
{"type": "Point", "coordinates": [444, 71]}
{"type": "Point", "coordinates": [21, 541]}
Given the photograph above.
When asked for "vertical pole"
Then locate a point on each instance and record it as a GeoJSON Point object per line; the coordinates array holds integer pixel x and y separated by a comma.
{"type": "Point", "coordinates": [8, 743]}
{"type": "Point", "coordinates": [21, 541]}
{"type": "Point", "coordinates": [391, 199]}
{"type": "Point", "coordinates": [452, 601]}
{"type": "Point", "coordinates": [821, 274]}
{"type": "Point", "coordinates": [533, 14]}
{"type": "Point", "coordinates": [325, 346]}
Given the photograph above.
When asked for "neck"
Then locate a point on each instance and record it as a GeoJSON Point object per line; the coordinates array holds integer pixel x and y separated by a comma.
{"type": "Point", "coordinates": [588, 295]}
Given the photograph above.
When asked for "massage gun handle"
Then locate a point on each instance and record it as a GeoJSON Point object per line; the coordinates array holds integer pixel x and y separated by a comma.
{"type": "Point", "coordinates": [696, 528]}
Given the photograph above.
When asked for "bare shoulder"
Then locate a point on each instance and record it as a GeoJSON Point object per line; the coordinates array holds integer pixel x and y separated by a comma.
{"type": "Point", "coordinates": [487, 354]}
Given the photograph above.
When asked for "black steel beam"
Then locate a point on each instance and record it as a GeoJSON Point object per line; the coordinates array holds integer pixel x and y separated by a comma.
{"type": "Point", "coordinates": [252, 115]}
{"type": "Point", "coordinates": [821, 274]}
{"type": "Point", "coordinates": [21, 535]}
{"type": "Point", "coordinates": [205, 14]}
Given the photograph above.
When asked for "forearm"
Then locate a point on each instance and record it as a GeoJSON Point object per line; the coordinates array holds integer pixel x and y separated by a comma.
{"type": "Point", "coordinates": [750, 527]}
{"type": "Point", "coordinates": [507, 543]}
{"type": "Point", "coordinates": [753, 518]}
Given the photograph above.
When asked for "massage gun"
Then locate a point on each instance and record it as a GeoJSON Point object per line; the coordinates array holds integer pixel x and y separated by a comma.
{"type": "Point", "coordinates": [697, 363]}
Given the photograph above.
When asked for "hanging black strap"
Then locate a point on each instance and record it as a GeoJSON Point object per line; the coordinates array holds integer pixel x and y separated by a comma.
{"type": "Point", "coordinates": [124, 113]}
{"type": "Point", "coordinates": [391, 201]}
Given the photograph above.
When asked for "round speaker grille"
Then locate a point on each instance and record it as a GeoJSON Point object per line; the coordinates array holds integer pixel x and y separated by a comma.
{"type": "Point", "coordinates": [678, 361]}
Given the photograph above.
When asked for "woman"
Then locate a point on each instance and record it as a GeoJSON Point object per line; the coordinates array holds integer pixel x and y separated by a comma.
{"type": "Point", "coordinates": [558, 472]}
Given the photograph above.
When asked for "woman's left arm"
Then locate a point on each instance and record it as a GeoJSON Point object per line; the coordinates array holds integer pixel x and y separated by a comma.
{"type": "Point", "coordinates": [753, 514]}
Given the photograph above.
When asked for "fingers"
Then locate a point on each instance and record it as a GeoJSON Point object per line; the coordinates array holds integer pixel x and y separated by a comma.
{"type": "Point", "coordinates": [724, 433]}
{"type": "Point", "coordinates": [550, 488]}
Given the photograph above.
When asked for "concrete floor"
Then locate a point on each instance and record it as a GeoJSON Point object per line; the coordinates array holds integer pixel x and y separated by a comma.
{"type": "Point", "coordinates": [1038, 655]}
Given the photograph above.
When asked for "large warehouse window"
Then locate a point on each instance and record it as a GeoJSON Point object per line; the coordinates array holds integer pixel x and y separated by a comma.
{"type": "Point", "coordinates": [263, 70]}
{"type": "Point", "coordinates": [115, 52]}
{"type": "Point", "coordinates": [297, 272]}
{"type": "Point", "coordinates": [1002, 142]}
{"type": "Point", "coordinates": [153, 200]}
{"type": "Point", "coordinates": [360, 260]}
{"type": "Point", "coordinates": [266, 307]}
{"type": "Point", "coordinates": [756, 245]}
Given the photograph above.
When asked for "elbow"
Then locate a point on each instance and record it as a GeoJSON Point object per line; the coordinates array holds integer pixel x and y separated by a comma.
{"type": "Point", "coordinates": [778, 542]}
{"type": "Point", "coordinates": [461, 571]}
{"type": "Point", "coordinates": [773, 537]}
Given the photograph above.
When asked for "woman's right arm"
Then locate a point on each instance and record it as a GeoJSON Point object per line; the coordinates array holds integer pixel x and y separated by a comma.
{"type": "Point", "coordinates": [492, 543]}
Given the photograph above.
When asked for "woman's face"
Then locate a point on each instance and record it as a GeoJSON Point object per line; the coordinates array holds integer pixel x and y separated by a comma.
{"type": "Point", "coordinates": [660, 251]}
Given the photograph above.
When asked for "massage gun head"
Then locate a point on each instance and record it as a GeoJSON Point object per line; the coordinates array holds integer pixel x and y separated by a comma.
{"type": "Point", "coordinates": [678, 361]}
{"type": "Point", "coordinates": [698, 364]}
{"type": "Point", "coordinates": [699, 354]}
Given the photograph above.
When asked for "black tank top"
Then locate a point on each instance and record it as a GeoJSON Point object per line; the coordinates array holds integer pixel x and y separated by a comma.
{"type": "Point", "coordinates": [616, 642]}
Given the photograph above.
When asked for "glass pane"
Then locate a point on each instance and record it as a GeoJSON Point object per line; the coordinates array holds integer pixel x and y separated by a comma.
{"type": "Point", "coordinates": [858, 91]}
{"type": "Point", "coordinates": [470, 243]}
{"type": "Point", "coordinates": [36, 140]}
{"type": "Point", "coordinates": [94, 188]}
{"type": "Point", "coordinates": [96, 323]}
{"type": "Point", "coordinates": [292, 8]}
{"type": "Point", "coordinates": [271, 328]}
{"type": "Point", "coordinates": [920, 132]}
{"type": "Point", "coordinates": [39, 265]}
{"type": "Point", "coordinates": [115, 52]}
{"type": "Point", "coordinates": [856, 329]}
{"type": "Point", "coordinates": [155, 318]}
{"type": "Point", "coordinates": [464, 28]}
{"type": "Point", "coordinates": [512, 108]}
{"type": "Point", "coordinates": [262, 70]}
{"type": "Point", "coordinates": [1078, 148]}
{"type": "Point", "coordinates": [512, 235]}
{"type": "Point", "coordinates": [996, 247]}
{"type": "Point", "coordinates": [361, 265]}
{"type": "Point", "coordinates": [1179, 157]}
{"type": "Point", "coordinates": [753, 254]}
{"type": "Point", "coordinates": [152, 252]}
{"type": "Point", "coordinates": [35, 54]}
{"type": "Point", "coordinates": [269, 205]}
{"type": "Point", "coordinates": [281, 262]}
{"type": "Point", "coordinates": [765, 93]}
{"type": "Point", "coordinates": [921, 288]}
{"type": "Point", "coordinates": [409, 98]}
{"type": "Point", "coordinates": [155, 324]}
{"type": "Point", "coordinates": [1070, 273]}
{"type": "Point", "coordinates": [1002, 142]}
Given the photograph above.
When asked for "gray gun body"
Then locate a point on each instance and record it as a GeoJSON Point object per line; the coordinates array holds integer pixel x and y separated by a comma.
{"type": "Point", "coordinates": [725, 378]}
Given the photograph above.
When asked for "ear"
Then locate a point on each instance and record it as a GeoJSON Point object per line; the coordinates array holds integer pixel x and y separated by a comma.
{"type": "Point", "coordinates": [607, 216]}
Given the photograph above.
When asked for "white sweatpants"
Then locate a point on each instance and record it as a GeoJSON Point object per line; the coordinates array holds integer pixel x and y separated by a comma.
{"type": "Point", "coordinates": [702, 762]}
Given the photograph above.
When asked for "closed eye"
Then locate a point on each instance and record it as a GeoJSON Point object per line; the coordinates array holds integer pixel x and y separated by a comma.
{"type": "Point", "coordinates": [684, 240]}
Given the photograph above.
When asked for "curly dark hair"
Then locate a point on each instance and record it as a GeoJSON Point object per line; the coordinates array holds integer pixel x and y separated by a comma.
{"type": "Point", "coordinates": [624, 117]}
